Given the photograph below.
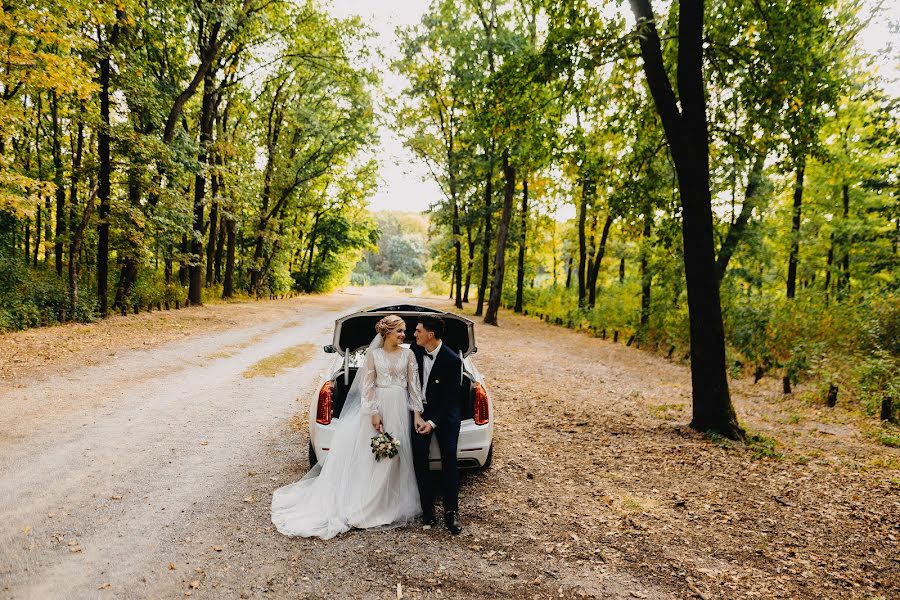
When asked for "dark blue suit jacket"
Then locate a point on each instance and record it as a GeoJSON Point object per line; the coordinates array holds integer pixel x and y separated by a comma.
{"type": "Point", "coordinates": [444, 393]}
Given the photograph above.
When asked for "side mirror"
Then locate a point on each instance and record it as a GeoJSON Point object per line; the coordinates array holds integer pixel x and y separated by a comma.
{"type": "Point", "coordinates": [329, 349]}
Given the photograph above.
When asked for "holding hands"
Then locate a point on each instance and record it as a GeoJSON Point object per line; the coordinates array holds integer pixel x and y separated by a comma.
{"type": "Point", "coordinates": [421, 425]}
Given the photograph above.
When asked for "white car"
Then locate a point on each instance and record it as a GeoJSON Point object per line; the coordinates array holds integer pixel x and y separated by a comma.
{"type": "Point", "coordinates": [352, 335]}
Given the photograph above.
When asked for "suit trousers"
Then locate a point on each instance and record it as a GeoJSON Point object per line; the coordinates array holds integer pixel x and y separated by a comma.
{"type": "Point", "coordinates": [448, 439]}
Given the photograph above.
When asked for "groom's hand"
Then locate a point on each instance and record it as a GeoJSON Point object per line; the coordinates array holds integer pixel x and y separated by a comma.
{"type": "Point", "coordinates": [422, 426]}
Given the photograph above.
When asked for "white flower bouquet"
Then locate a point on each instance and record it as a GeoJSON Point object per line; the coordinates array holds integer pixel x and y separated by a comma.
{"type": "Point", "coordinates": [385, 446]}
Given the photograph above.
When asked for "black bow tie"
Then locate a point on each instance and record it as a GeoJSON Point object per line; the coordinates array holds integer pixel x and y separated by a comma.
{"type": "Point", "coordinates": [427, 355]}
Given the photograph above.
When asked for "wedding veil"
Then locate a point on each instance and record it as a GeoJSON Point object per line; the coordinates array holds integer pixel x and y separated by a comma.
{"type": "Point", "coordinates": [352, 404]}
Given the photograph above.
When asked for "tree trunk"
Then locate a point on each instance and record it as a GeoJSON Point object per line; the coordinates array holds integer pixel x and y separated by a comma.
{"type": "Point", "coordinates": [103, 189]}
{"type": "Point", "coordinates": [60, 185]}
{"type": "Point", "coordinates": [520, 273]}
{"type": "Point", "coordinates": [844, 281]}
{"type": "Point", "coordinates": [471, 262]}
{"type": "Point", "coordinates": [228, 281]}
{"type": "Point", "coordinates": [739, 227]}
{"type": "Point", "coordinates": [486, 241]}
{"type": "Point", "coordinates": [213, 237]}
{"type": "Point", "coordinates": [582, 242]}
{"type": "Point", "coordinates": [220, 251]}
{"type": "Point", "coordinates": [596, 261]}
{"type": "Point", "coordinates": [622, 270]}
{"type": "Point", "coordinates": [509, 174]}
{"type": "Point", "coordinates": [457, 242]}
{"type": "Point", "coordinates": [183, 262]}
{"type": "Point", "coordinates": [688, 137]}
{"type": "Point", "coordinates": [130, 254]}
{"type": "Point", "coordinates": [207, 110]}
{"type": "Point", "coordinates": [76, 229]}
{"type": "Point", "coordinates": [569, 272]}
{"type": "Point", "coordinates": [646, 277]}
{"type": "Point", "coordinates": [795, 230]}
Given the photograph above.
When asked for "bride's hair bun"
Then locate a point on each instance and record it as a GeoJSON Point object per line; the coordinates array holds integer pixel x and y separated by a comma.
{"type": "Point", "coordinates": [388, 324]}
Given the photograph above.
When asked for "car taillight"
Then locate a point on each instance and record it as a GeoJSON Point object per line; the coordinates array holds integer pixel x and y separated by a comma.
{"type": "Point", "coordinates": [480, 413]}
{"type": "Point", "coordinates": [323, 408]}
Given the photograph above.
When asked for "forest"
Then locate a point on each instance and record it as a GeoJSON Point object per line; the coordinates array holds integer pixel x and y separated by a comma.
{"type": "Point", "coordinates": [158, 153]}
{"type": "Point", "coordinates": [732, 168]}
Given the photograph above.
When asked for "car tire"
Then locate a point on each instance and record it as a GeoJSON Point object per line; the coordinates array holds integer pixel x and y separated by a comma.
{"type": "Point", "coordinates": [312, 456]}
{"type": "Point", "coordinates": [489, 459]}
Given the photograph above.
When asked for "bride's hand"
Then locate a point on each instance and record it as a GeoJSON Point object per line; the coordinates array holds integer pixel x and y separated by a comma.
{"type": "Point", "coordinates": [376, 423]}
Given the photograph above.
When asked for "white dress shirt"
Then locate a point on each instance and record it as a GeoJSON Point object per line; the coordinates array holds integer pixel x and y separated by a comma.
{"type": "Point", "coordinates": [427, 364]}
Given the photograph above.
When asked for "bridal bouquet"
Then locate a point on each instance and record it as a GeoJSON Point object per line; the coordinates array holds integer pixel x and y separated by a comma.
{"type": "Point", "coordinates": [385, 446]}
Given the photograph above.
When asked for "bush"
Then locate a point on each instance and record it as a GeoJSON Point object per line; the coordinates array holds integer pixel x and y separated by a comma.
{"type": "Point", "coordinates": [435, 284]}
{"type": "Point", "coordinates": [879, 378]}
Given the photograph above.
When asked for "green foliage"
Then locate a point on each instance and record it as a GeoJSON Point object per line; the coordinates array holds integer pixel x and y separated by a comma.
{"type": "Point", "coordinates": [401, 253]}
{"type": "Point", "coordinates": [242, 115]}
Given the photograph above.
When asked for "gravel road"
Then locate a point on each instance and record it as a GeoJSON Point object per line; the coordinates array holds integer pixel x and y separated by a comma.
{"type": "Point", "coordinates": [143, 467]}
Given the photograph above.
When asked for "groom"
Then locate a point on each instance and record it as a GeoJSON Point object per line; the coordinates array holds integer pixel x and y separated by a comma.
{"type": "Point", "coordinates": [440, 374]}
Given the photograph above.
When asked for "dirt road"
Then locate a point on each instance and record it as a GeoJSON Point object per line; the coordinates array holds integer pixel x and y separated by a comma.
{"type": "Point", "coordinates": [148, 474]}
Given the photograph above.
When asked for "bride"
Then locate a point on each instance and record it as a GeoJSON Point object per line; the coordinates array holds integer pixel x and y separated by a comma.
{"type": "Point", "coordinates": [349, 488]}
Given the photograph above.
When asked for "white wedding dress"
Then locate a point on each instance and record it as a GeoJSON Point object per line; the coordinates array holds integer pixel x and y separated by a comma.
{"type": "Point", "coordinates": [349, 488]}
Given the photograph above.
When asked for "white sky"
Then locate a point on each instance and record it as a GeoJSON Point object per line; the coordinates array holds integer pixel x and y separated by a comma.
{"type": "Point", "coordinates": [404, 182]}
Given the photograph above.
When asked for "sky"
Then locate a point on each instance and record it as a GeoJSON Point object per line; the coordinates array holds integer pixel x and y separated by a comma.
{"type": "Point", "coordinates": [405, 183]}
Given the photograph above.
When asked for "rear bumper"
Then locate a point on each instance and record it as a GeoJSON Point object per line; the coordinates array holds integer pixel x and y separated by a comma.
{"type": "Point", "coordinates": [472, 451]}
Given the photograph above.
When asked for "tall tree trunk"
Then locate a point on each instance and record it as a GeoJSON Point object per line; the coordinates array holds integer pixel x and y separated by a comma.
{"type": "Point", "coordinates": [795, 230]}
{"type": "Point", "coordinates": [844, 281]}
{"type": "Point", "coordinates": [622, 270]}
{"type": "Point", "coordinates": [183, 262]}
{"type": "Point", "coordinates": [207, 111]}
{"type": "Point", "coordinates": [130, 254]}
{"type": "Point", "coordinates": [104, 188]}
{"type": "Point", "coordinates": [471, 262]}
{"type": "Point", "coordinates": [220, 251]}
{"type": "Point", "coordinates": [486, 241]}
{"type": "Point", "coordinates": [493, 308]}
{"type": "Point", "coordinates": [829, 261]}
{"type": "Point", "coordinates": [228, 281]}
{"type": "Point", "coordinates": [77, 230]}
{"type": "Point", "coordinates": [582, 242]}
{"type": "Point", "coordinates": [38, 156]}
{"type": "Point", "coordinates": [646, 277]}
{"type": "Point", "coordinates": [457, 242]}
{"type": "Point", "coordinates": [27, 240]}
{"type": "Point", "coordinates": [685, 125]}
{"type": "Point", "coordinates": [597, 260]}
{"type": "Point", "coordinates": [59, 180]}
{"type": "Point", "coordinates": [213, 237]}
{"type": "Point", "coordinates": [520, 273]}
{"type": "Point", "coordinates": [77, 237]}
{"type": "Point", "coordinates": [569, 272]}
{"type": "Point", "coordinates": [739, 227]}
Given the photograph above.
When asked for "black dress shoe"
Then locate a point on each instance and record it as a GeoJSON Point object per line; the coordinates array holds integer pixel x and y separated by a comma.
{"type": "Point", "coordinates": [451, 520]}
{"type": "Point", "coordinates": [429, 519]}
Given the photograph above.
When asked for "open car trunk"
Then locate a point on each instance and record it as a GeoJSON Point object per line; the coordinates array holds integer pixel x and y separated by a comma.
{"type": "Point", "coordinates": [466, 401]}
{"type": "Point", "coordinates": [357, 330]}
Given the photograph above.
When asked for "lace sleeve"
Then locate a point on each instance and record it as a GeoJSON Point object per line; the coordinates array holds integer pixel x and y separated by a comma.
{"type": "Point", "coordinates": [367, 401]}
{"type": "Point", "coordinates": [412, 383]}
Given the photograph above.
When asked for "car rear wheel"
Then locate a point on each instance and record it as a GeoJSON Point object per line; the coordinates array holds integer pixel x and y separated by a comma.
{"type": "Point", "coordinates": [489, 459]}
{"type": "Point", "coordinates": [312, 456]}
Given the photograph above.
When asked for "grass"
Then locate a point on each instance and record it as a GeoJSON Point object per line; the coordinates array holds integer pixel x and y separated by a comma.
{"type": "Point", "coordinates": [763, 447]}
{"type": "Point", "coordinates": [661, 411]}
{"type": "Point", "coordinates": [888, 437]}
{"type": "Point", "coordinates": [288, 358]}
{"type": "Point", "coordinates": [760, 445]}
